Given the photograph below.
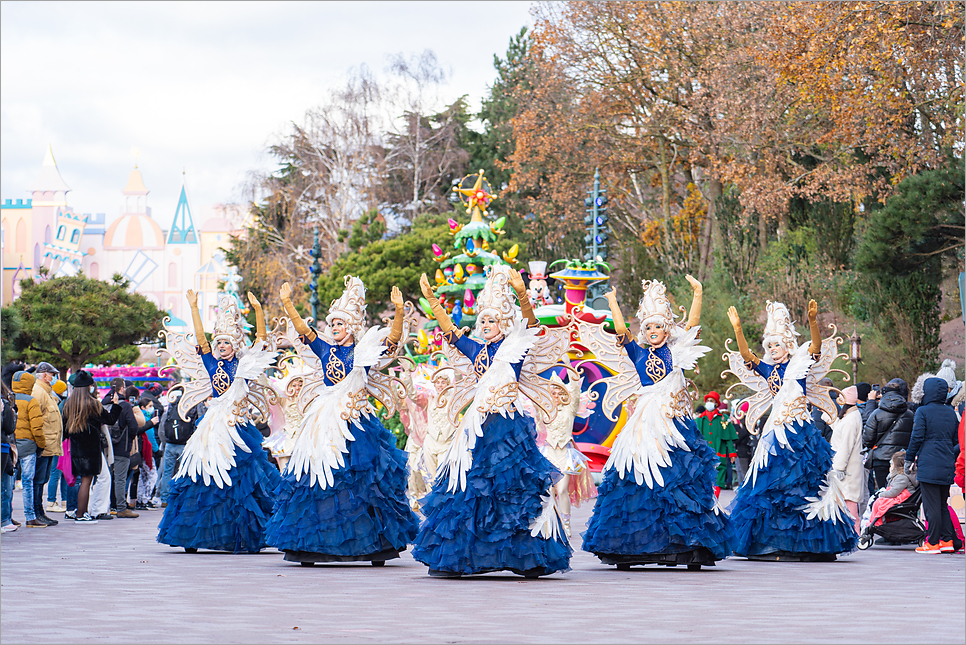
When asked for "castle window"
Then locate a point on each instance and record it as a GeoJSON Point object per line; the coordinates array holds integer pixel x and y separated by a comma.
{"type": "Point", "coordinates": [94, 271]}
{"type": "Point", "coordinates": [75, 236]}
{"type": "Point", "coordinates": [61, 232]}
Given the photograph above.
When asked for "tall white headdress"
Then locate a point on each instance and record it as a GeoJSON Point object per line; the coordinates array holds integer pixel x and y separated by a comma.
{"type": "Point", "coordinates": [351, 307]}
{"type": "Point", "coordinates": [497, 298]}
{"type": "Point", "coordinates": [780, 327]}
{"type": "Point", "coordinates": [229, 324]}
{"type": "Point", "coordinates": [655, 306]}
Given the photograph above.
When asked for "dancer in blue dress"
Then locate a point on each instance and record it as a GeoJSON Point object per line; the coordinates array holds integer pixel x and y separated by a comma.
{"type": "Point", "coordinates": [656, 503]}
{"type": "Point", "coordinates": [491, 507]}
{"type": "Point", "coordinates": [790, 505]}
{"type": "Point", "coordinates": [343, 494]}
{"type": "Point", "coordinates": [223, 493]}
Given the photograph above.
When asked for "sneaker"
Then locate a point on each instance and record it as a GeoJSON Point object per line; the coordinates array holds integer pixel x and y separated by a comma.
{"type": "Point", "coordinates": [164, 505]}
{"type": "Point", "coordinates": [36, 524]}
{"type": "Point", "coordinates": [139, 506]}
{"type": "Point", "coordinates": [52, 506]}
{"type": "Point", "coordinates": [48, 521]}
{"type": "Point", "coordinates": [15, 522]}
{"type": "Point", "coordinates": [128, 513]}
{"type": "Point", "coordinates": [86, 519]}
{"type": "Point", "coordinates": [62, 507]}
{"type": "Point", "coordinates": [8, 528]}
{"type": "Point", "coordinates": [70, 515]}
{"type": "Point", "coordinates": [928, 548]}
{"type": "Point", "coordinates": [946, 546]}
{"type": "Point", "coordinates": [151, 505]}
{"type": "Point", "coordinates": [113, 511]}
{"type": "Point", "coordinates": [104, 516]}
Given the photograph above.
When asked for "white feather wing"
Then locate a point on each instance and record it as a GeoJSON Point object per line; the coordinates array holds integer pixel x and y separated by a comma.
{"type": "Point", "coordinates": [625, 381]}
{"type": "Point", "coordinates": [788, 406]}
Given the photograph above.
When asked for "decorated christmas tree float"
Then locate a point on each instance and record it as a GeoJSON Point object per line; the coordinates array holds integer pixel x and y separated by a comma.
{"type": "Point", "coordinates": [461, 272]}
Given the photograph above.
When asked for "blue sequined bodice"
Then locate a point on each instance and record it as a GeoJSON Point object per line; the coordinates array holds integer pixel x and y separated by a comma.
{"type": "Point", "coordinates": [337, 360]}
{"type": "Point", "coordinates": [483, 354]}
{"type": "Point", "coordinates": [221, 372]}
{"type": "Point", "coordinates": [652, 364]}
{"type": "Point", "coordinates": [774, 375]}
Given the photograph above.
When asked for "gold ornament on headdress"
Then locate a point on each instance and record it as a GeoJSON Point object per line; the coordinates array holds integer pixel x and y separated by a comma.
{"type": "Point", "coordinates": [228, 324]}
{"type": "Point", "coordinates": [351, 306]}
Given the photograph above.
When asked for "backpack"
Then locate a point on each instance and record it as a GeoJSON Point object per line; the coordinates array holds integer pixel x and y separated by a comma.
{"type": "Point", "coordinates": [177, 430]}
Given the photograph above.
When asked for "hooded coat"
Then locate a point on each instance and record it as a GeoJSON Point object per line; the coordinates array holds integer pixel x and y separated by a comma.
{"type": "Point", "coordinates": [30, 420]}
{"type": "Point", "coordinates": [890, 426]}
{"type": "Point", "coordinates": [847, 444]}
{"type": "Point", "coordinates": [935, 435]}
{"type": "Point", "coordinates": [53, 424]}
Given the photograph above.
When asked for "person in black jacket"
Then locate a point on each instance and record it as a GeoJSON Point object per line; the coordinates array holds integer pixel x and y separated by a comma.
{"type": "Point", "coordinates": [83, 417]}
{"type": "Point", "coordinates": [887, 430]}
{"type": "Point", "coordinates": [9, 442]}
{"type": "Point", "coordinates": [9, 370]}
{"type": "Point", "coordinates": [934, 445]}
{"type": "Point", "coordinates": [123, 433]}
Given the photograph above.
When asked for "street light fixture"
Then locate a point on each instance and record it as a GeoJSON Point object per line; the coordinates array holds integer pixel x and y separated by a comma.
{"type": "Point", "coordinates": [855, 354]}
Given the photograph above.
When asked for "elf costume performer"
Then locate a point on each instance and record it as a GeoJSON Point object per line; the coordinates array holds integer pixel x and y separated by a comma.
{"type": "Point", "coordinates": [491, 507]}
{"type": "Point", "coordinates": [788, 507]}
{"type": "Point", "coordinates": [223, 492]}
{"type": "Point", "coordinates": [656, 503]}
{"type": "Point", "coordinates": [721, 434]}
{"type": "Point", "coordinates": [343, 492]}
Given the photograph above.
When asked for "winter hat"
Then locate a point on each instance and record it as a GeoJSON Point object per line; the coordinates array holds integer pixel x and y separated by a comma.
{"type": "Point", "coordinates": [46, 368]}
{"type": "Point", "coordinates": [863, 390]}
{"type": "Point", "coordinates": [59, 387]}
{"type": "Point", "coordinates": [83, 378]}
{"type": "Point", "coordinates": [154, 388]}
{"type": "Point", "coordinates": [850, 395]}
{"type": "Point", "coordinates": [713, 395]}
{"type": "Point", "coordinates": [947, 372]}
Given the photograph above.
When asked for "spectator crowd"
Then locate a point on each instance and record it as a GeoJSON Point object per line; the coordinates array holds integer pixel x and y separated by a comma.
{"type": "Point", "coordinates": [92, 458]}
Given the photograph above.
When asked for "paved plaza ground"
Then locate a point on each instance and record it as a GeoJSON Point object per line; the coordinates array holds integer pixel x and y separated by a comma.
{"type": "Point", "coordinates": [112, 583]}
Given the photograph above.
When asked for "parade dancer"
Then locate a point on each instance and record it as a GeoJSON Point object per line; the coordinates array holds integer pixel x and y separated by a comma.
{"type": "Point", "coordinates": [223, 492]}
{"type": "Point", "coordinates": [577, 484]}
{"type": "Point", "coordinates": [656, 503]}
{"type": "Point", "coordinates": [430, 430]}
{"type": "Point", "coordinates": [285, 427]}
{"type": "Point", "coordinates": [343, 492]}
{"type": "Point", "coordinates": [788, 507]}
{"type": "Point", "coordinates": [491, 508]}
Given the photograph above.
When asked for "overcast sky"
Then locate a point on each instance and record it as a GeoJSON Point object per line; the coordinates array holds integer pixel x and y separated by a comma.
{"type": "Point", "coordinates": [204, 87]}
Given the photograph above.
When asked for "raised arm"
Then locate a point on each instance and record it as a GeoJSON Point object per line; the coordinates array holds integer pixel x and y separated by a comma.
{"type": "Point", "coordinates": [694, 316]}
{"type": "Point", "coordinates": [438, 312]}
{"type": "Point", "coordinates": [526, 308]}
{"type": "Point", "coordinates": [615, 312]}
{"type": "Point", "coordinates": [395, 332]}
{"type": "Point", "coordinates": [285, 293]}
{"type": "Point", "coordinates": [196, 319]}
{"type": "Point", "coordinates": [816, 346]}
{"type": "Point", "coordinates": [259, 318]}
{"type": "Point", "coordinates": [740, 337]}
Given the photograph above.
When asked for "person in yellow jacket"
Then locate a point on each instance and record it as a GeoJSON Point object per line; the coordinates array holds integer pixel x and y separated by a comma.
{"type": "Point", "coordinates": [43, 393]}
{"type": "Point", "coordinates": [30, 441]}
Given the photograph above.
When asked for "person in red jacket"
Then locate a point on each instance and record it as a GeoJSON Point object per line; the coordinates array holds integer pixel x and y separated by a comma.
{"type": "Point", "coordinates": [960, 475]}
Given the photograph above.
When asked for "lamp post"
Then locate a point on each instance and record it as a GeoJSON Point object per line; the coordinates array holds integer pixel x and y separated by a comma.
{"type": "Point", "coordinates": [855, 354]}
{"type": "Point", "coordinates": [314, 271]}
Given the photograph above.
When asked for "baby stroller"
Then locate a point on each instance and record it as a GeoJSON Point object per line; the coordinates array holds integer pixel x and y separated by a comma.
{"type": "Point", "coordinates": [900, 525]}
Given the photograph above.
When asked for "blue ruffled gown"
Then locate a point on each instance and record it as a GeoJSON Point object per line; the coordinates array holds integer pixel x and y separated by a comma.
{"type": "Point", "coordinates": [486, 527]}
{"type": "Point", "coordinates": [767, 513]}
{"type": "Point", "coordinates": [363, 515]}
{"type": "Point", "coordinates": [676, 523]}
{"type": "Point", "coordinates": [232, 517]}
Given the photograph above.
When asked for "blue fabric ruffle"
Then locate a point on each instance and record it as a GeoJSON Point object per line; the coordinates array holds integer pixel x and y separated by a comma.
{"type": "Point", "coordinates": [487, 526]}
{"type": "Point", "coordinates": [232, 518]}
{"type": "Point", "coordinates": [767, 516]}
{"type": "Point", "coordinates": [631, 519]}
{"type": "Point", "coordinates": [363, 512]}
